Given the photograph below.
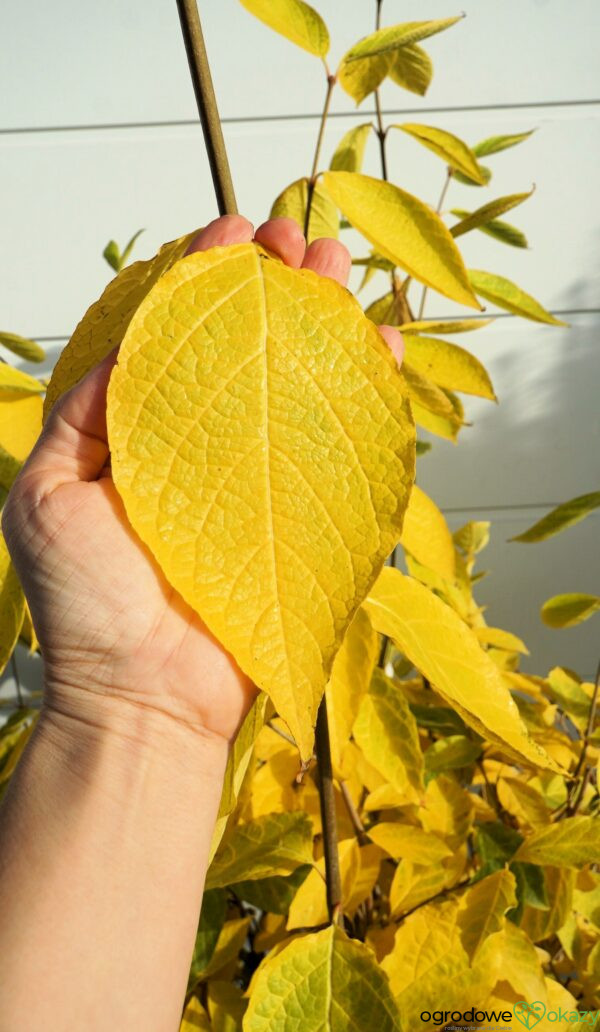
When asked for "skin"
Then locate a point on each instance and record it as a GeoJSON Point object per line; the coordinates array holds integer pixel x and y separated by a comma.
{"type": "Point", "coordinates": [106, 827]}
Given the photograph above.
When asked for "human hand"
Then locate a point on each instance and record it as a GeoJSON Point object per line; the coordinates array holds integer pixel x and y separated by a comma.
{"type": "Point", "coordinates": [111, 628]}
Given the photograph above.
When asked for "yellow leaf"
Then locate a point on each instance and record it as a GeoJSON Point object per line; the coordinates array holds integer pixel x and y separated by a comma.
{"type": "Point", "coordinates": [388, 309]}
{"type": "Point", "coordinates": [450, 148]}
{"type": "Point", "coordinates": [403, 229]}
{"type": "Point", "coordinates": [450, 753]}
{"type": "Point", "coordinates": [572, 842]}
{"type": "Point", "coordinates": [443, 426]}
{"type": "Point", "coordinates": [498, 229]}
{"type": "Point", "coordinates": [359, 78]}
{"type": "Point", "coordinates": [425, 534]}
{"type": "Point", "coordinates": [105, 322]}
{"type": "Point", "coordinates": [348, 155]}
{"type": "Point", "coordinates": [445, 326]}
{"type": "Point", "coordinates": [499, 143]}
{"type": "Point", "coordinates": [380, 939]}
{"type": "Point", "coordinates": [563, 516]}
{"type": "Point", "coordinates": [500, 639]}
{"type": "Point", "coordinates": [20, 422]}
{"type": "Point", "coordinates": [447, 652]}
{"type": "Point", "coordinates": [447, 810]}
{"type": "Point", "coordinates": [411, 68]}
{"type": "Point", "coordinates": [554, 1016]}
{"type": "Point", "coordinates": [274, 844]}
{"type": "Point", "coordinates": [194, 1018]}
{"type": "Point", "coordinates": [427, 394]}
{"type": "Point", "coordinates": [23, 347]}
{"type": "Point", "coordinates": [386, 731]}
{"type": "Point", "coordinates": [403, 841]}
{"type": "Point", "coordinates": [359, 869]}
{"type": "Point", "coordinates": [523, 801]}
{"type": "Point", "coordinates": [394, 36]}
{"type": "Point", "coordinates": [448, 365]}
{"type": "Point", "coordinates": [272, 931]}
{"type": "Point", "coordinates": [317, 971]}
{"type": "Point", "coordinates": [509, 956]}
{"type": "Point", "coordinates": [251, 463]}
{"type": "Point", "coordinates": [231, 939]}
{"type": "Point", "coordinates": [488, 212]}
{"type": "Point", "coordinates": [508, 295]}
{"type": "Point", "coordinates": [483, 906]}
{"type": "Point", "coordinates": [276, 790]}
{"type": "Point", "coordinates": [541, 924]}
{"type": "Point", "coordinates": [324, 216]}
{"type": "Point", "coordinates": [295, 20]}
{"type": "Point", "coordinates": [12, 606]}
{"type": "Point", "coordinates": [350, 679]}
{"type": "Point", "coordinates": [226, 1006]}
{"type": "Point", "coordinates": [9, 470]}
{"type": "Point", "coordinates": [15, 381]}
{"type": "Point", "coordinates": [569, 609]}
{"type": "Point", "coordinates": [413, 884]}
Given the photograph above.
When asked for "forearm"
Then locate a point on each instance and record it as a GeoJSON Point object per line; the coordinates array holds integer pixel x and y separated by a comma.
{"type": "Point", "coordinates": [104, 839]}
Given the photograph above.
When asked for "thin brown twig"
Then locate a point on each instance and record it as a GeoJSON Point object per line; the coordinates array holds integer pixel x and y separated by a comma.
{"type": "Point", "coordinates": [438, 209]}
{"type": "Point", "coordinates": [312, 182]}
{"type": "Point", "coordinates": [575, 801]}
{"type": "Point", "coordinates": [328, 815]}
{"type": "Point", "coordinates": [353, 814]}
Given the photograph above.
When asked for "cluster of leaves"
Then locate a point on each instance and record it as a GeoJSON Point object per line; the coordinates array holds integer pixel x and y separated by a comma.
{"type": "Point", "coordinates": [465, 792]}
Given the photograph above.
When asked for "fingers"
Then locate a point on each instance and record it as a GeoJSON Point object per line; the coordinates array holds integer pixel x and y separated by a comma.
{"type": "Point", "coordinates": [285, 238]}
{"type": "Point", "coordinates": [229, 229]}
{"type": "Point", "coordinates": [394, 341]}
{"type": "Point", "coordinates": [328, 258]}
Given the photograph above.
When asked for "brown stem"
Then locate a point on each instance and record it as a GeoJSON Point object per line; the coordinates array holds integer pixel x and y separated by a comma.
{"type": "Point", "coordinates": [438, 210]}
{"type": "Point", "coordinates": [353, 814]}
{"type": "Point", "coordinates": [207, 106]}
{"type": "Point", "coordinates": [577, 796]}
{"type": "Point", "coordinates": [328, 815]}
{"type": "Point", "coordinates": [312, 182]}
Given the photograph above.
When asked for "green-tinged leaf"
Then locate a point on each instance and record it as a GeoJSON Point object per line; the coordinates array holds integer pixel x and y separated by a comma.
{"type": "Point", "coordinates": [505, 232]}
{"type": "Point", "coordinates": [411, 67]}
{"type": "Point", "coordinates": [212, 919]}
{"type": "Point", "coordinates": [426, 536]}
{"type": "Point", "coordinates": [130, 245]}
{"type": "Point", "coordinates": [195, 1018]}
{"type": "Point", "coordinates": [273, 895]}
{"type": "Point", "coordinates": [226, 1006]}
{"type": "Point", "coordinates": [572, 842]}
{"type": "Point", "coordinates": [451, 753]}
{"type": "Point", "coordinates": [291, 204]}
{"type": "Point", "coordinates": [273, 845]}
{"type": "Point", "coordinates": [473, 537]}
{"type": "Point", "coordinates": [361, 77]}
{"type": "Point", "coordinates": [496, 844]}
{"type": "Point", "coordinates": [350, 679]}
{"type": "Point", "coordinates": [295, 20]}
{"type": "Point", "coordinates": [426, 393]}
{"type": "Point", "coordinates": [509, 956]}
{"type": "Point", "coordinates": [112, 255]}
{"type": "Point", "coordinates": [389, 39]}
{"type": "Point", "coordinates": [23, 347]}
{"type": "Point", "coordinates": [239, 754]}
{"type": "Point", "coordinates": [440, 719]}
{"type": "Point", "coordinates": [447, 652]}
{"type": "Point", "coordinates": [12, 606]}
{"type": "Point", "coordinates": [531, 888]}
{"type": "Point", "coordinates": [348, 155]}
{"type": "Point", "coordinates": [487, 212]}
{"type": "Point", "coordinates": [485, 173]}
{"type": "Point", "coordinates": [389, 309]}
{"type": "Point", "coordinates": [406, 842]}
{"type": "Point", "coordinates": [231, 939]}
{"type": "Point", "coordinates": [508, 295]}
{"type": "Point", "coordinates": [500, 639]}
{"type": "Point", "coordinates": [403, 229]}
{"type": "Point", "coordinates": [325, 981]}
{"type": "Point", "coordinates": [448, 326]}
{"type": "Point", "coordinates": [273, 406]}
{"type": "Point", "coordinates": [386, 732]}
{"type": "Point", "coordinates": [15, 381]}
{"type": "Point", "coordinates": [569, 609]}
{"type": "Point", "coordinates": [448, 365]}
{"type": "Point", "coordinates": [423, 447]}
{"type": "Point", "coordinates": [105, 322]}
{"type": "Point", "coordinates": [457, 155]}
{"type": "Point", "coordinates": [9, 469]}
{"type": "Point", "coordinates": [493, 144]}
{"type": "Point", "coordinates": [566, 689]}
{"type": "Point", "coordinates": [565, 515]}
{"type": "Point", "coordinates": [482, 908]}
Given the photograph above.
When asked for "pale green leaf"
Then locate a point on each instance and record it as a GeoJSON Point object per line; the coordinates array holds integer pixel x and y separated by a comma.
{"type": "Point", "coordinates": [291, 204]}
{"type": "Point", "coordinates": [508, 295]}
{"type": "Point", "coordinates": [505, 232]}
{"type": "Point", "coordinates": [563, 516]}
{"type": "Point", "coordinates": [15, 381]}
{"type": "Point", "coordinates": [448, 365]}
{"type": "Point", "coordinates": [450, 753]}
{"type": "Point", "coordinates": [394, 36]}
{"type": "Point", "coordinates": [9, 469]}
{"type": "Point", "coordinates": [403, 229]}
{"type": "Point", "coordinates": [493, 144]}
{"type": "Point", "coordinates": [272, 845]}
{"type": "Point", "coordinates": [485, 174]}
{"type": "Point", "coordinates": [487, 212]}
{"type": "Point", "coordinates": [112, 255]}
{"type": "Point", "coordinates": [572, 842]}
{"type": "Point", "coordinates": [446, 651]}
{"type": "Point", "coordinates": [240, 753]}
{"type": "Point", "coordinates": [348, 155]}
{"type": "Point", "coordinates": [569, 609]}
{"type": "Point", "coordinates": [23, 347]}
{"type": "Point", "coordinates": [386, 732]}
{"type": "Point", "coordinates": [295, 20]}
{"type": "Point", "coordinates": [130, 245]}
{"type": "Point", "coordinates": [457, 155]}
{"type": "Point", "coordinates": [411, 67]}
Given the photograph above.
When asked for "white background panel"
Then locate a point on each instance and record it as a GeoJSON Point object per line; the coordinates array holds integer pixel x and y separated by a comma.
{"type": "Point", "coordinates": [79, 62]}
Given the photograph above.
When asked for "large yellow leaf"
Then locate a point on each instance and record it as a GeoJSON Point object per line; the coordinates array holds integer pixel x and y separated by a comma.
{"type": "Point", "coordinates": [448, 365]}
{"type": "Point", "coordinates": [23, 347]}
{"type": "Point", "coordinates": [569, 609]}
{"type": "Point", "coordinates": [483, 906]}
{"type": "Point", "coordinates": [450, 148]}
{"type": "Point", "coordinates": [403, 229]}
{"type": "Point", "coordinates": [350, 679]}
{"type": "Point", "coordinates": [508, 295]}
{"type": "Point", "coordinates": [565, 515]}
{"type": "Point", "coordinates": [404, 841]}
{"type": "Point", "coordinates": [348, 155]}
{"type": "Point", "coordinates": [425, 534]}
{"type": "Point", "coordinates": [446, 651]}
{"type": "Point", "coordinates": [523, 801]}
{"type": "Point", "coordinates": [291, 204]}
{"type": "Point", "coordinates": [488, 212]}
{"type": "Point", "coordinates": [275, 844]}
{"type": "Point", "coordinates": [424, 938]}
{"type": "Point", "coordinates": [264, 451]}
{"type": "Point", "coordinates": [325, 981]}
{"type": "Point", "coordinates": [104, 324]}
{"type": "Point", "coordinates": [20, 422]}
{"type": "Point", "coordinates": [386, 731]}
{"type": "Point", "coordinates": [572, 842]}
{"type": "Point", "coordinates": [295, 20]}
{"type": "Point", "coordinates": [16, 381]}
{"type": "Point", "coordinates": [509, 956]}
{"type": "Point", "coordinates": [12, 606]}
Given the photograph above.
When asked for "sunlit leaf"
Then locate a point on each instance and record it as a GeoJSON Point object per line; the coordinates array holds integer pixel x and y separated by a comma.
{"type": "Point", "coordinates": [273, 404]}
{"type": "Point", "coordinates": [523, 801]}
{"type": "Point", "coordinates": [505, 232]}
{"type": "Point", "coordinates": [295, 20]}
{"type": "Point", "coordinates": [359, 868]}
{"type": "Point", "coordinates": [20, 422]}
{"type": "Point", "coordinates": [411, 67]}
{"type": "Point", "coordinates": [479, 218]}
{"type": "Point", "coordinates": [389, 39]}
{"type": "Point", "coordinates": [195, 1018]}
{"type": "Point", "coordinates": [500, 639]}
{"type": "Point", "coordinates": [403, 841]}
{"type": "Point", "coordinates": [447, 652]}
{"type": "Point", "coordinates": [403, 229]}
{"type": "Point", "coordinates": [448, 326]}
{"type": "Point", "coordinates": [15, 381]}
{"type": "Point", "coordinates": [350, 679]}
{"type": "Point", "coordinates": [425, 534]}
{"type": "Point", "coordinates": [508, 295]}
{"type": "Point", "coordinates": [386, 732]}
{"type": "Point", "coordinates": [23, 347]}
{"type": "Point", "coordinates": [569, 609]}
{"type": "Point", "coordinates": [482, 908]}
{"type": "Point", "coordinates": [291, 204]}
{"type": "Point", "coordinates": [335, 983]}
{"type": "Point", "coordinates": [493, 144]}
{"type": "Point", "coordinates": [348, 155]}
{"type": "Point", "coordinates": [448, 365]}
{"type": "Point", "coordinates": [450, 753]}
{"type": "Point", "coordinates": [447, 146]}
{"type": "Point", "coordinates": [509, 956]}
{"type": "Point", "coordinates": [427, 394]}
{"type": "Point", "coordinates": [388, 310]}
{"type": "Point", "coordinates": [565, 515]}
{"type": "Point", "coordinates": [572, 842]}
{"type": "Point", "coordinates": [231, 939]}
{"type": "Point", "coordinates": [12, 606]}
{"type": "Point", "coordinates": [275, 844]}
{"type": "Point", "coordinates": [361, 77]}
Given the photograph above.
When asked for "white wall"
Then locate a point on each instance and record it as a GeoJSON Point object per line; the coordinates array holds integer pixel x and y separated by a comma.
{"type": "Point", "coordinates": [98, 136]}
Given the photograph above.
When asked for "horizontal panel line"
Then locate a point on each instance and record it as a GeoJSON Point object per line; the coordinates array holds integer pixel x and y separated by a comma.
{"type": "Point", "coordinates": [496, 315]}
{"type": "Point", "coordinates": [294, 117]}
{"type": "Point", "coordinates": [515, 507]}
